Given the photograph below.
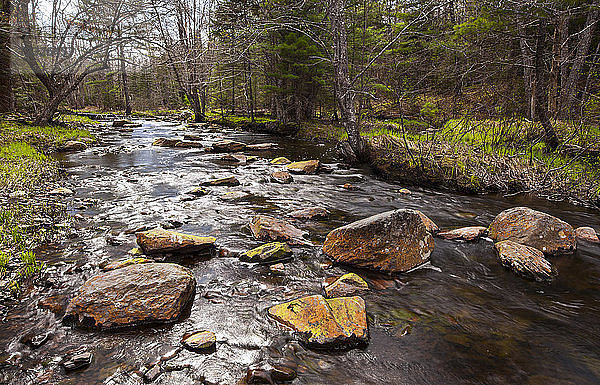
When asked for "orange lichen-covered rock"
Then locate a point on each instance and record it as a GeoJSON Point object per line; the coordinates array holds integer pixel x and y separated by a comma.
{"type": "Point", "coordinates": [311, 213]}
{"type": "Point", "coordinates": [159, 241]}
{"type": "Point", "coordinates": [587, 234]}
{"type": "Point", "coordinates": [465, 233]}
{"type": "Point", "coordinates": [525, 260]}
{"type": "Point", "coordinates": [134, 295]}
{"type": "Point", "coordinates": [346, 285]}
{"type": "Point", "coordinates": [325, 323]}
{"type": "Point", "coordinates": [304, 167]}
{"type": "Point", "coordinates": [429, 224]}
{"type": "Point", "coordinates": [533, 228]}
{"type": "Point", "coordinates": [267, 228]}
{"type": "Point", "coordinates": [394, 241]}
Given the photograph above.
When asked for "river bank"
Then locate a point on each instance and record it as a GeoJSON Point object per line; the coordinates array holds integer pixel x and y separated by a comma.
{"type": "Point", "coordinates": [32, 213]}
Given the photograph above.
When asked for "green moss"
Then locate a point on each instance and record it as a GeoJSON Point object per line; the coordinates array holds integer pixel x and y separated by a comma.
{"type": "Point", "coordinates": [17, 150]}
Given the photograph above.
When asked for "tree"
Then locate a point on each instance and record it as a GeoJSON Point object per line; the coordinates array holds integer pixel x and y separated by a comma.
{"type": "Point", "coordinates": [6, 95]}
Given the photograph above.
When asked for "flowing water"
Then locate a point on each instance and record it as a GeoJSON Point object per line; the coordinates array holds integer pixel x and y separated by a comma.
{"type": "Point", "coordinates": [461, 319]}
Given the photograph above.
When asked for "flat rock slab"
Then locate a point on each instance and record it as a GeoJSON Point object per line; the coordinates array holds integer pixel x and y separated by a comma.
{"type": "Point", "coordinates": [261, 147]}
{"type": "Point", "coordinates": [134, 295]}
{"type": "Point", "coordinates": [124, 263]}
{"type": "Point", "coordinates": [235, 195]}
{"type": "Point", "coordinates": [465, 233]}
{"type": "Point", "coordinates": [230, 181]}
{"type": "Point", "coordinates": [346, 285]}
{"type": "Point", "coordinates": [268, 253]}
{"type": "Point", "coordinates": [533, 228]}
{"type": "Point", "coordinates": [199, 341]}
{"type": "Point", "coordinates": [267, 228]}
{"type": "Point", "coordinates": [525, 260]}
{"type": "Point", "coordinates": [304, 167]}
{"type": "Point", "coordinates": [228, 146]}
{"type": "Point", "coordinates": [337, 323]}
{"type": "Point", "coordinates": [176, 143]}
{"type": "Point", "coordinates": [159, 241]}
{"type": "Point", "coordinates": [280, 161]}
{"type": "Point", "coordinates": [311, 213]}
{"type": "Point", "coordinates": [236, 159]}
{"type": "Point", "coordinates": [587, 234]}
{"type": "Point", "coordinates": [392, 242]}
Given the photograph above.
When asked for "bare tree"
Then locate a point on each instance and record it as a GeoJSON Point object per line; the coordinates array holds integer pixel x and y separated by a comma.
{"type": "Point", "coordinates": [6, 97]}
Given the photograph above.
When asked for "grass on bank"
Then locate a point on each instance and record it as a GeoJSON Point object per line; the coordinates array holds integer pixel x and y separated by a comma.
{"type": "Point", "coordinates": [25, 170]}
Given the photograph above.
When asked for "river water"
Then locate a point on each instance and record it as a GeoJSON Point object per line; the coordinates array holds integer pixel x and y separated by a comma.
{"type": "Point", "coordinates": [461, 319]}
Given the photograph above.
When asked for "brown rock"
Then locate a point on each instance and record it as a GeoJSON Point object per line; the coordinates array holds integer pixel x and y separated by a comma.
{"type": "Point", "coordinates": [192, 137]}
{"type": "Point", "coordinates": [228, 181]}
{"type": "Point", "coordinates": [394, 241]}
{"type": "Point", "coordinates": [533, 228]}
{"type": "Point", "coordinates": [261, 147]}
{"type": "Point", "coordinates": [325, 323]}
{"type": "Point", "coordinates": [198, 341]}
{"type": "Point", "coordinates": [234, 159]}
{"type": "Point", "coordinates": [305, 167]}
{"type": "Point", "coordinates": [345, 286]}
{"type": "Point", "coordinates": [267, 228]}
{"type": "Point", "coordinates": [311, 213]}
{"type": "Point", "coordinates": [124, 263]}
{"type": "Point", "coordinates": [429, 224]}
{"type": "Point", "coordinates": [159, 241]}
{"type": "Point", "coordinates": [72, 145]}
{"type": "Point", "coordinates": [134, 295]}
{"type": "Point", "coordinates": [282, 177]}
{"type": "Point", "coordinates": [525, 260]}
{"type": "Point", "coordinates": [228, 146]}
{"type": "Point", "coordinates": [176, 143]}
{"type": "Point", "coordinates": [587, 234]}
{"type": "Point", "coordinates": [465, 233]}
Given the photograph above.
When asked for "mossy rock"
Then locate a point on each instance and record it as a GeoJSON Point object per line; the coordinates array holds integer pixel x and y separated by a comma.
{"type": "Point", "coordinates": [268, 253]}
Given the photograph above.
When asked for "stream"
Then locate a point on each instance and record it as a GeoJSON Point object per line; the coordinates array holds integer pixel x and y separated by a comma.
{"type": "Point", "coordinates": [460, 319]}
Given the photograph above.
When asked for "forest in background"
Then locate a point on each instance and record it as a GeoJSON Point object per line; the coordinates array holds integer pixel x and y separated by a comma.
{"type": "Point", "coordinates": [485, 96]}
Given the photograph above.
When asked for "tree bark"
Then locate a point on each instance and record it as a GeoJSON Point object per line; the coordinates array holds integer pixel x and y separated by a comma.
{"type": "Point", "coordinates": [527, 60]}
{"type": "Point", "coordinates": [541, 89]}
{"type": "Point", "coordinates": [6, 94]}
{"type": "Point", "coordinates": [343, 90]}
{"type": "Point", "coordinates": [124, 80]}
{"type": "Point", "coordinates": [569, 90]}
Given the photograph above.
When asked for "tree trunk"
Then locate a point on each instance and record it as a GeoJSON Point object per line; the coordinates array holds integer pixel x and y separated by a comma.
{"type": "Point", "coordinates": [343, 89]}
{"type": "Point", "coordinates": [125, 85]}
{"type": "Point", "coordinates": [6, 94]}
{"type": "Point", "coordinates": [569, 90]}
{"type": "Point", "coordinates": [541, 89]}
{"type": "Point", "coordinates": [527, 62]}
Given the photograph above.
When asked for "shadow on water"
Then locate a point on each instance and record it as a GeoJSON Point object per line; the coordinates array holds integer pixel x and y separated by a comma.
{"type": "Point", "coordinates": [462, 318]}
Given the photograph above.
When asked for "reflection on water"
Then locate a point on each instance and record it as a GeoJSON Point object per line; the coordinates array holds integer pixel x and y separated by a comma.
{"type": "Point", "coordinates": [462, 319]}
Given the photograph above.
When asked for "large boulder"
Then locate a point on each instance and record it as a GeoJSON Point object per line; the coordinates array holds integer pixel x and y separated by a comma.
{"type": "Point", "coordinates": [392, 242]}
{"type": "Point", "coordinates": [267, 228]}
{"type": "Point", "coordinates": [159, 241]}
{"type": "Point", "coordinates": [533, 228]}
{"type": "Point", "coordinates": [304, 167]}
{"type": "Point", "coordinates": [147, 293]}
{"type": "Point", "coordinates": [525, 260]}
{"type": "Point", "coordinates": [335, 323]}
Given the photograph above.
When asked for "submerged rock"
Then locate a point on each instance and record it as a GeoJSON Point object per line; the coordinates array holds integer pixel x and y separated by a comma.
{"type": "Point", "coordinates": [587, 234]}
{"type": "Point", "coordinates": [280, 161]}
{"type": "Point", "coordinates": [282, 177]}
{"type": "Point", "coordinates": [234, 159]}
{"type": "Point", "coordinates": [268, 253]}
{"type": "Point", "coordinates": [235, 195]}
{"type": "Point", "coordinates": [230, 181]}
{"type": "Point", "coordinates": [267, 228]}
{"type": "Point", "coordinates": [149, 293]}
{"type": "Point", "coordinates": [176, 143]}
{"type": "Point", "coordinates": [533, 228]}
{"type": "Point", "coordinates": [192, 137]}
{"type": "Point", "coordinates": [228, 146]}
{"type": "Point", "coordinates": [392, 242]}
{"type": "Point", "coordinates": [121, 122]}
{"type": "Point", "coordinates": [77, 361]}
{"type": "Point", "coordinates": [199, 341]}
{"type": "Point", "coordinates": [304, 167]}
{"type": "Point", "coordinates": [311, 213]}
{"type": "Point", "coordinates": [525, 260]}
{"type": "Point", "coordinates": [345, 286]}
{"type": "Point", "coordinates": [465, 233]}
{"type": "Point", "coordinates": [124, 263]}
{"type": "Point", "coordinates": [159, 241]}
{"type": "Point", "coordinates": [337, 323]}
